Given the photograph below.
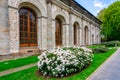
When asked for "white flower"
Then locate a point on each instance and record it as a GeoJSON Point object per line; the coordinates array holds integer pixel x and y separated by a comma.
{"type": "Point", "coordinates": [56, 65]}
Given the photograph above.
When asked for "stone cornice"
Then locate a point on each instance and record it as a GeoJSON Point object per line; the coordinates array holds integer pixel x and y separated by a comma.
{"type": "Point", "coordinates": [61, 4]}
{"type": "Point", "coordinates": [66, 5]}
{"type": "Point", "coordinates": [80, 9]}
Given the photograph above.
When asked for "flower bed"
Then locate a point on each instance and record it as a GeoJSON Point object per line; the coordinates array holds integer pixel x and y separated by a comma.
{"type": "Point", "coordinates": [64, 61]}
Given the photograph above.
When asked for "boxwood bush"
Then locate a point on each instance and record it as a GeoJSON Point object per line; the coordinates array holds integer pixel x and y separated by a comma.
{"type": "Point", "coordinates": [112, 43]}
{"type": "Point", "coordinates": [64, 61]}
{"type": "Point", "coordinates": [101, 49]}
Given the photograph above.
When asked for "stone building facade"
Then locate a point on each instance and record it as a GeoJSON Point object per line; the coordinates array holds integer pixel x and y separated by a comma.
{"type": "Point", "coordinates": [54, 23]}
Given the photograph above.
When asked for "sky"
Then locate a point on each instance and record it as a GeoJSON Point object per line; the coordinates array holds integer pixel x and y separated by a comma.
{"type": "Point", "coordinates": [94, 6]}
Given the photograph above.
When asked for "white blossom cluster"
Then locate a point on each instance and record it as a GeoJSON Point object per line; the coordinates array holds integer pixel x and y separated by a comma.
{"type": "Point", "coordinates": [61, 62]}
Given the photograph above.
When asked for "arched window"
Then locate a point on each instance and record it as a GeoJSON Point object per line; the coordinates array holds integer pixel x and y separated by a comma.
{"type": "Point", "coordinates": [75, 34]}
{"type": "Point", "coordinates": [28, 27]}
{"type": "Point", "coordinates": [86, 35]}
{"type": "Point", "coordinates": [58, 32]}
{"type": "Point", "coordinates": [92, 39]}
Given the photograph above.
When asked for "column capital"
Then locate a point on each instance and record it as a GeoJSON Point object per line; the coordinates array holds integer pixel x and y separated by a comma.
{"type": "Point", "coordinates": [66, 24]}
{"type": "Point", "coordinates": [42, 17]}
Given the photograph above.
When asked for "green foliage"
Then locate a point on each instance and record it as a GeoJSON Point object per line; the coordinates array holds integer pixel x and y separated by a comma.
{"type": "Point", "coordinates": [112, 43]}
{"type": "Point", "coordinates": [111, 21]}
{"type": "Point", "coordinates": [101, 49]}
{"type": "Point", "coordinates": [101, 14]}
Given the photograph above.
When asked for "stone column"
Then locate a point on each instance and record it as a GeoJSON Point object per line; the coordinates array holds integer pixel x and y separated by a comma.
{"type": "Point", "coordinates": [53, 34]}
{"type": "Point", "coordinates": [14, 29]}
{"type": "Point", "coordinates": [71, 41]}
{"type": "Point", "coordinates": [64, 34]}
{"type": "Point", "coordinates": [67, 34]}
{"type": "Point", "coordinates": [99, 37]}
{"type": "Point", "coordinates": [82, 31]}
{"type": "Point", "coordinates": [44, 31]}
{"type": "Point", "coordinates": [4, 28]}
{"type": "Point", "coordinates": [90, 34]}
{"type": "Point", "coordinates": [95, 36]}
{"type": "Point", "coordinates": [78, 36]}
{"type": "Point", "coordinates": [49, 24]}
{"type": "Point", "coordinates": [88, 37]}
{"type": "Point", "coordinates": [39, 33]}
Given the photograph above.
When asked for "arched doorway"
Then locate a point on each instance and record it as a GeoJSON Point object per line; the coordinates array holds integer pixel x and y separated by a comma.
{"type": "Point", "coordinates": [76, 26]}
{"type": "Point", "coordinates": [86, 35]}
{"type": "Point", "coordinates": [28, 27]}
{"type": "Point", "coordinates": [58, 32]}
{"type": "Point", "coordinates": [59, 29]}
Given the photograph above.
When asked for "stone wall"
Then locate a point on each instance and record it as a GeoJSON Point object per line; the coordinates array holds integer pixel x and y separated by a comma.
{"type": "Point", "coordinates": [4, 27]}
{"type": "Point", "coordinates": [46, 14]}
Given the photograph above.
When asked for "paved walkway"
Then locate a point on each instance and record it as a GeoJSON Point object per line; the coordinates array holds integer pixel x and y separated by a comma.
{"type": "Point", "coordinates": [16, 56]}
{"type": "Point", "coordinates": [17, 69]}
{"type": "Point", "coordinates": [110, 70]}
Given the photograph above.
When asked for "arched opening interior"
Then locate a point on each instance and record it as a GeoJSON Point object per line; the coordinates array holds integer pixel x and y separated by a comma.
{"type": "Point", "coordinates": [92, 39]}
{"type": "Point", "coordinates": [76, 26]}
{"type": "Point", "coordinates": [28, 27]}
{"type": "Point", "coordinates": [59, 21]}
{"type": "Point", "coordinates": [86, 35]}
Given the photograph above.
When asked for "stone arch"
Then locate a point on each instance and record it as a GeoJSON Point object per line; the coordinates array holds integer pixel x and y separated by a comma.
{"type": "Point", "coordinates": [36, 3]}
{"type": "Point", "coordinates": [86, 26]}
{"type": "Point", "coordinates": [86, 35]}
{"type": "Point", "coordinates": [77, 20]}
{"type": "Point", "coordinates": [31, 6]}
{"type": "Point", "coordinates": [59, 12]}
{"type": "Point", "coordinates": [40, 11]}
{"type": "Point", "coordinates": [76, 24]}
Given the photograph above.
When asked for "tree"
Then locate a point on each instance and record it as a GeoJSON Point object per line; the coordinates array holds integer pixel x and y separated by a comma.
{"type": "Point", "coordinates": [111, 21]}
{"type": "Point", "coordinates": [100, 16]}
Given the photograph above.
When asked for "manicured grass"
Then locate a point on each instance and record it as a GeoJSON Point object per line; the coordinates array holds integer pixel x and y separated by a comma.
{"type": "Point", "coordinates": [30, 74]}
{"type": "Point", "coordinates": [17, 63]}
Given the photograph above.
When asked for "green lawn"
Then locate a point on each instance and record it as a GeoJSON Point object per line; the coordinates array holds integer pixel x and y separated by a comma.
{"type": "Point", "coordinates": [30, 74]}
{"type": "Point", "coordinates": [17, 63]}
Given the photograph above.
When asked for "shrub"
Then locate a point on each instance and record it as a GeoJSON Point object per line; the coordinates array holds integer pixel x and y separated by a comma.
{"type": "Point", "coordinates": [112, 43]}
{"type": "Point", "coordinates": [101, 49]}
{"type": "Point", "coordinates": [61, 62]}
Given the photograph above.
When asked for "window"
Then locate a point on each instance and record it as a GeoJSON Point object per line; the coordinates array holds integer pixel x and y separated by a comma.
{"type": "Point", "coordinates": [75, 34]}
{"type": "Point", "coordinates": [28, 27]}
{"type": "Point", "coordinates": [86, 35]}
{"type": "Point", "coordinates": [58, 32]}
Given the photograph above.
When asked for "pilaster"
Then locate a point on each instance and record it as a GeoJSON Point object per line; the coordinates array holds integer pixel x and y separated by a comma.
{"type": "Point", "coordinates": [49, 24]}
{"type": "Point", "coordinates": [14, 30]}
{"type": "Point", "coordinates": [71, 42]}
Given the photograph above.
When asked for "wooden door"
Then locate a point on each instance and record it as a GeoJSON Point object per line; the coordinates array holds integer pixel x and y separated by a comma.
{"type": "Point", "coordinates": [58, 33]}
{"type": "Point", "coordinates": [28, 28]}
{"type": "Point", "coordinates": [75, 35]}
